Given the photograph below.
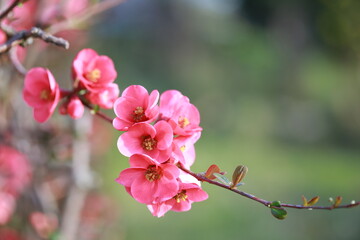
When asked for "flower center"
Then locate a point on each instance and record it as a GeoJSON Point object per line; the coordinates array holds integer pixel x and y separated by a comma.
{"type": "Point", "coordinates": [94, 75]}
{"type": "Point", "coordinates": [180, 196]}
{"type": "Point", "coordinates": [149, 143]}
{"type": "Point", "coordinates": [45, 94]}
{"type": "Point", "coordinates": [183, 122]}
{"type": "Point", "coordinates": [139, 115]}
{"type": "Point", "coordinates": [152, 173]}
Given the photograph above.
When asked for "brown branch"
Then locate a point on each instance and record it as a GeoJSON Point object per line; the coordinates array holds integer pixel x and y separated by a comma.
{"type": "Point", "coordinates": [34, 32]}
{"type": "Point", "coordinates": [266, 203]}
{"type": "Point", "coordinates": [97, 112]}
{"type": "Point", "coordinates": [7, 10]}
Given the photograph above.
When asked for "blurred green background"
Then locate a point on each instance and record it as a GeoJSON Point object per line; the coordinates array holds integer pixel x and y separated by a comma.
{"type": "Point", "coordinates": [277, 84]}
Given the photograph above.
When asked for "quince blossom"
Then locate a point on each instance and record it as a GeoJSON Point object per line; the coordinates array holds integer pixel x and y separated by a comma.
{"type": "Point", "coordinates": [15, 172]}
{"type": "Point", "coordinates": [149, 181]}
{"type": "Point", "coordinates": [135, 105]}
{"type": "Point", "coordinates": [181, 202]}
{"type": "Point", "coordinates": [180, 113]}
{"type": "Point", "coordinates": [41, 92]}
{"type": "Point", "coordinates": [104, 97]}
{"type": "Point", "coordinates": [94, 72]}
{"type": "Point", "coordinates": [7, 206]}
{"type": "Point", "coordinates": [73, 107]}
{"type": "Point", "coordinates": [155, 141]}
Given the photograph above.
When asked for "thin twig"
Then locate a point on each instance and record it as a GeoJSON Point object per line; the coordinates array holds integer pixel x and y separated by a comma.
{"type": "Point", "coordinates": [266, 203]}
{"type": "Point", "coordinates": [16, 62]}
{"type": "Point", "coordinates": [98, 113]}
{"type": "Point", "coordinates": [7, 10]}
{"type": "Point", "coordinates": [34, 32]}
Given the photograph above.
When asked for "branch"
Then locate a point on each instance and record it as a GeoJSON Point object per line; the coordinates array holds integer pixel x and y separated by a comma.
{"type": "Point", "coordinates": [7, 10]}
{"type": "Point", "coordinates": [97, 112]}
{"type": "Point", "coordinates": [266, 203]}
{"type": "Point", "coordinates": [34, 32]}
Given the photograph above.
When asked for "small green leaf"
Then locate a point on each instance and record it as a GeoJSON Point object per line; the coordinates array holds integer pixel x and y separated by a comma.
{"type": "Point", "coordinates": [95, 109]}
{"type": "Point", "coordinates": [222, 178]}
{"type": "Point", "coordinates": [278, 211]}
{"type": "Point", "coordinates": [82, 92]}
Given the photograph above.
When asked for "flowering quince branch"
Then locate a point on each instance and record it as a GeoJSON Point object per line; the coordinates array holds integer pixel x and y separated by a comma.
{"type": "Point", "coordinates": [158, 139]}
{"type": "Point", "coordinates": [135, 144]}
{"type": "Point", "coordinates": [20, 37]}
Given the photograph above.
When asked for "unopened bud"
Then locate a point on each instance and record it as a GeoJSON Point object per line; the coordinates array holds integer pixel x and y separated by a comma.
{"type": "Point", "coordinates": [313, 201]}
{"type": "Point", "coordinates": [238, 175]}
{"type": "Point", "coordinates": [338, 200]}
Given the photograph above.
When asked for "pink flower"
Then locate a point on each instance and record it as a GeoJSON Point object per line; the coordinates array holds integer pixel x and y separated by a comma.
{"type": "Point", "coordinates": [135, 105]}
{"type": "Point", "coordinates": [180, 113]}
{"type": "Point", "coordinates": [3, 37]}
{"type": "Point", "coordinates": [155, 141]}
{"type": "Point", "coordinates": [41, 92]}
{"type": "Point", "coordinates": [104, 97]}
{"type": "Point", "coordinates": [22, 17]}
{"type": "Point", "coordinates": [43, 224]}
{"type": "Point", "coordinates": [148, 181]}
{"type": "Point", "coordinates": [186, 145]}
{"type": "Point", "coordinates": [181, 202]}
{"type": "Point", "coordinates": [15, 172]}
{"type": "Point", "coordinates": [94, 72]}
{"type": "Point", "coordinates": [73, 107]}
{"type": "Point", "coordinates": [7, 206]}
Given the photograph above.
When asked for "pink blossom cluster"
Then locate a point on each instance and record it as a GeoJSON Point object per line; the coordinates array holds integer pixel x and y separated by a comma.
{"type": "Point", "coordinates": [15, 175]}
{"type": "Point", "coordinates": [158, 138]}
{"type": "Point", "coordinates": [93, 83]}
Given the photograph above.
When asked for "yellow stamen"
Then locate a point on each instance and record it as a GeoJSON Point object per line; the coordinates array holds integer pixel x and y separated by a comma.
{"type": "Point", "coordinates": [152, 174]}
{"type": "Point", "coordinates": [139, 115]}
{"type": "Point", "coordinates": [45, 94]}
{"type": "Point", "coordinates": [94, 75]}
{"type": "Point", "coordinates": [149, 143]}
{"type": "Point", "coordinates": [181, 196]}
{"type": "Point", "coordinates": [183, 122]}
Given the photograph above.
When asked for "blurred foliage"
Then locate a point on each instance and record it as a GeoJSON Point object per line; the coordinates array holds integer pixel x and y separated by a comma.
{"type": "Point", "coordinates": [277, 84]}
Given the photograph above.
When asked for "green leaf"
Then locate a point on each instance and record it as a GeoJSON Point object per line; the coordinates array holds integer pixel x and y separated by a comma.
{"type": "Point", "coordinates": [95, 109]}
{"type": "Point", "coordinates": [222, 178]}
{"type": "Point", "coordinates": [278, 211]}
{"type": "Point", "coordinates": [82, 92]}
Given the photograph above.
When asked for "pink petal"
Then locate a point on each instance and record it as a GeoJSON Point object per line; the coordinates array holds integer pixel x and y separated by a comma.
{"type": "Point", "coordinates": [121, 125]}
{"type": "Point", "coordinates": [143, 190]}
{"type": "Point", "coordinates": [141, 161]}
{"type": "Point", "coordinates": [107, 69]}
{"type": "Point", "coordinates": [182, 206]}
{"type": "Point", "coordinates": [42, 114]}
{"type": "Point", "coordinates": [164, 135]}
{"type": "Point", "coordinates": [196, 194]}
{"type": "Point", "coordinates": [128, 176]}
{"type": "Point", "coordinates": [159, 209]}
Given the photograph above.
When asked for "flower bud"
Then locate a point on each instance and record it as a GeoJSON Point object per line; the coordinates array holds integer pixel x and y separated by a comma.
{"type": "Point", "coordinates": [338, 200]}
{"type": "Point", "coordinates": [313, 201]}
{"type": "Point", "coordinates": [238, 175]}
